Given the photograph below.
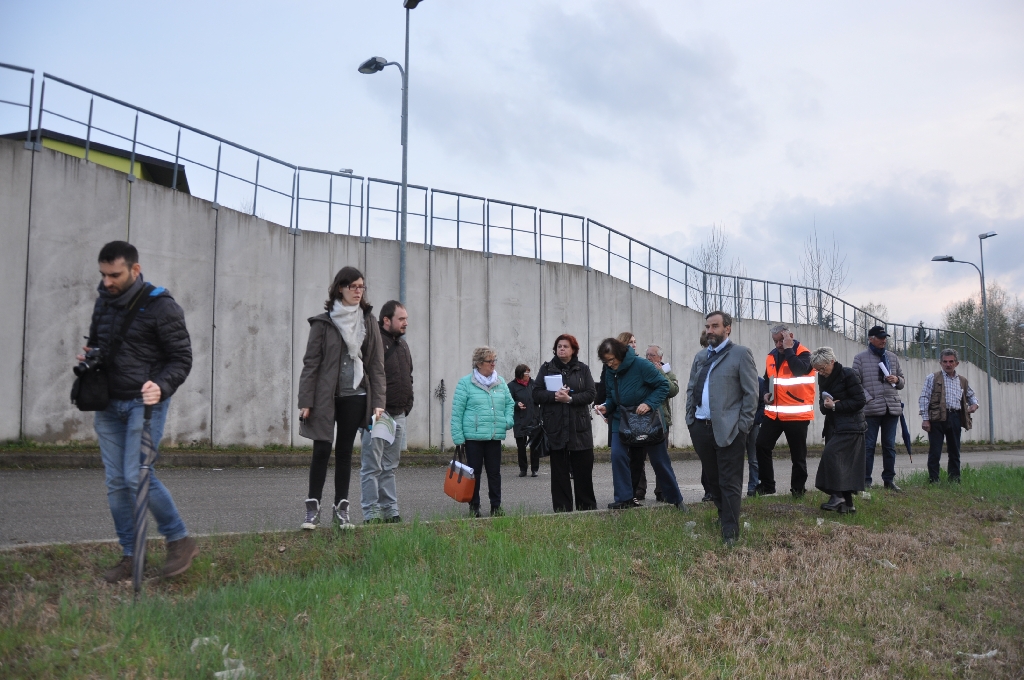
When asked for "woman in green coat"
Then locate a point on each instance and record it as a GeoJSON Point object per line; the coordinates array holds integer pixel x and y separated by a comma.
{"type": "Point", "coordinates": [482, 412]}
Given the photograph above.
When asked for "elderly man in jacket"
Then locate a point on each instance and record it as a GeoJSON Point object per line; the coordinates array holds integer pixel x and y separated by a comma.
{"type": "Point", "coordinates": [378, 459]}
{"type": "Point", "coordinates": [881, 375]}
{"type": "Point", "coordinates": [721, 400]}
{"type": "Point", "coordinates": [946, 404]}
{"type": "Point", "coordinates": [657, 357]}
{"type": "Point", "coordinates": [145, 363]}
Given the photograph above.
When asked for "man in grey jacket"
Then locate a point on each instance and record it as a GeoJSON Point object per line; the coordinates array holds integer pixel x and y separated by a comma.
{"type": "Point", "coordinates": [881, 376]}
{"type": "Point", "coordinates": [721, 399]}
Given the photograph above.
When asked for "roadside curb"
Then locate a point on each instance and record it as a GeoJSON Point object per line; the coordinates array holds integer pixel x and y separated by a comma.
{"type": "Point", "coordinates": [42, 460]}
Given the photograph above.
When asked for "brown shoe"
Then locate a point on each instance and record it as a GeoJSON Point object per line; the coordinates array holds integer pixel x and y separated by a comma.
{"type": "Point", "coordinates": [180, 554]}
{"type": "Point", "coordinates": [122, 571]}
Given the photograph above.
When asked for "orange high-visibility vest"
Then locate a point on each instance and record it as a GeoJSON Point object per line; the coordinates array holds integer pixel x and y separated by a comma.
{"type": "Point", "coordinates": [794, 396]}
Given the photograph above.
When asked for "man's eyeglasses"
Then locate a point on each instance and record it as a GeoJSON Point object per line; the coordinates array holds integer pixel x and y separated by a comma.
{"type": "Point", "coordinates": [356, 287]}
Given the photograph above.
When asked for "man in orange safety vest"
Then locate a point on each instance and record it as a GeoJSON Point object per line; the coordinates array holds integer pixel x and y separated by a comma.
{"type": "Point", "coordinates": [789, 409]}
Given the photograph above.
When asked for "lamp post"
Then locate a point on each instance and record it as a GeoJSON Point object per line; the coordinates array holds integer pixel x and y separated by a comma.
{"type": "Point", "coordinates": [374, 65]}
{"type": "Point", "coordinates": [984, 311]}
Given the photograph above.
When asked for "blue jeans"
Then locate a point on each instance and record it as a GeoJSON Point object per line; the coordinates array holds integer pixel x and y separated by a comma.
{"type": "Point", "coordinates": [888, 424]}
{"type": "Point", "coordinates": [119, 429]}
{"type": "Point", "coordinates": [622, 478]}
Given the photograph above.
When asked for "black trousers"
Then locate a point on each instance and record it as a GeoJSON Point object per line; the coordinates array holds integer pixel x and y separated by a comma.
{"type": "Point", "coordinates": [796, 436]}
{"type": "Point", "coordinates": [349, 412]}
{"type": "Point", "coordinates": [723, 467]}
{"type": "Point", "coordinates": [581, 466]}
{"type": "Point", "coordinates": [948, 430]}
{"type": "Point", "coordinates": [485, 455]}
{"type": "Point", "coordinates": [521, 443]}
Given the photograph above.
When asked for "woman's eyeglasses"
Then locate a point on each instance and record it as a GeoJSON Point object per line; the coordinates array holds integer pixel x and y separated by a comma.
{"type": "Point", "coordinates": [355, 288]}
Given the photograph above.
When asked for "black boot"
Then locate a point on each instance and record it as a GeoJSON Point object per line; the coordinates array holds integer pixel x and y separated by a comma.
{"type": "Point", "coordinates": [834, 503]}
{"type": "Point", "coordinates": [847, 503]}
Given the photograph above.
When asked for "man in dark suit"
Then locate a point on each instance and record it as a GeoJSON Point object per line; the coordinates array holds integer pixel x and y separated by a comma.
{"type": "Point", "coordinates": [721, 399]}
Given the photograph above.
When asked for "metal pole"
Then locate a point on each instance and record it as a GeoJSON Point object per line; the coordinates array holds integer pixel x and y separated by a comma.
{"type": "Point", "coordinates": [216, 180]}
{"type": "Point", "coordinates": [39, 125]}
{"type": "Point", "coordinates": [174, 178]}
{"type": "Point", "coordinates": [31, 94]}
{"type": "Point", "coordinates": [405, 162]}
{"type": "Point", "coordinates": [255, 186]}
{"type": "Point", "coordinates": [988, 346]}
{"type": "Point", "coordinates": [88, 130]}
{"type": "Point", "coordinates": [298, 198]}
{"type": "Point", "coordinates": [135, 135]}
{"type": "Point", "coordinates": [330, 199]}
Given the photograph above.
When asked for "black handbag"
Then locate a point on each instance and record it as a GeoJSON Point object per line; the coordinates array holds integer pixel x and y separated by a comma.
{"type": "Point", "coordinates": [637, 429]}
{"type": "Point", "coordinates": [91, 389]}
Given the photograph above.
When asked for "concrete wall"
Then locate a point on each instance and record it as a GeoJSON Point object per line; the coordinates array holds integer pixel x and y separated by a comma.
{"type": "Point", "coordinates": [248, 287]}
{"type": "Point", "coordinates": [15, 188]}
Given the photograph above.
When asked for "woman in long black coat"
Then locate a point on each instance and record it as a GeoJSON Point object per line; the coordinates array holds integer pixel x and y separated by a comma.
{"type": "Point", "coordinates": [841, 400]}
{"type": "Point", "coordinates": [565, 416]}
{"type": "Point", "coordinates": [526, 418]}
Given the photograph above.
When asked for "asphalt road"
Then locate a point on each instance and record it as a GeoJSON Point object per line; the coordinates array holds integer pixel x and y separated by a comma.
{"type": "Point", "coordinates": [57, 506]}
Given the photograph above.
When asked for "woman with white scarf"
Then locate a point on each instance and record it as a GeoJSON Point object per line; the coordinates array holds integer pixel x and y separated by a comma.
{"type": "Point", "coordinates": [482, 412]}
{"type": "Point", "coordinates": [342, 382]}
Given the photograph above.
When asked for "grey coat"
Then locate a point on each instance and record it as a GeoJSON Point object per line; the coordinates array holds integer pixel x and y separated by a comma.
{"type": "Point", "coordinates": [732, 391]}
{"type": "Point", "coordinates": [880, 395]}
{"type": "Point", "coordinates": [320, 367]}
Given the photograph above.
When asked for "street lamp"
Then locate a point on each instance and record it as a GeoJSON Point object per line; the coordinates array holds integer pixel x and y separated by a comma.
{"type": "Point", "coordinates": [984, 309]}
{"type": "Point", "coordinates": [375, 65]}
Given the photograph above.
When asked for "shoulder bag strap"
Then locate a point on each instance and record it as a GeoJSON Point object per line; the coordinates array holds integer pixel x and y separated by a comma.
{"type": "Point", "coordinates": [133, 311]}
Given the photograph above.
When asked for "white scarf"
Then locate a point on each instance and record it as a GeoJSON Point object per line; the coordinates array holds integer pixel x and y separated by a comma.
{"type": "Point", "coordinates": [486, 382]}
{"type": "Point", "coordinates": [349, 321]}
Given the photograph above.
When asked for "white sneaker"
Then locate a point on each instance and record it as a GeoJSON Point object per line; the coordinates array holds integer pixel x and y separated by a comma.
{"type": "Point", "coordinates": [312, 512]}
{"type": "Point", "coordinates": [341, 515]}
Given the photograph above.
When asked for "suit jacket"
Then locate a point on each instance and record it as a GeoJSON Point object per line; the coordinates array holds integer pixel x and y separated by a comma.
{"type": "Point", "coordinates": [732, 392]}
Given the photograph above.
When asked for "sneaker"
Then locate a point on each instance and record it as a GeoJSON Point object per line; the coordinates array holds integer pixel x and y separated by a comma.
{"type": "Point", "coordinates": [762, 490]}
{"type": "Point", "coordinates": [522, 473]}
{"type": "Point", "coordinates": [625, 505]}
{"type": "Point", "coordinates": [397, 519]}
{"type": "Point", "coordinates": [341, 515]}
{"type": "Point", "coordinates": [180, 554]}
{"type": "Point", "coordinates": [122, 571]}
{"type": "Point", "coordinates": [312, 513]}
{"type": "Point", "coordinates": [535, 474]}
{"type": "Point", "coordinates": [374, 520]}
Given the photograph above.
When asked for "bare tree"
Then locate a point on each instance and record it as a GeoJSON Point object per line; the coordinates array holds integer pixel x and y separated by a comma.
{"type": "Point", "coordinates": [870, 314]}
{"type": "Point", "coordinates": [823, 267]}
{"type": "Point", "coordinates": [1005, 319]}
{"type": "Point", "coordinates": [724, 288]}
{"type": "Point", "coordinates": [245, 206]}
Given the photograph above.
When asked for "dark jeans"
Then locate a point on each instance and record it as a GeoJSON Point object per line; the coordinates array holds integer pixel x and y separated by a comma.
{"type": "Point", "coordinates": [581, 465]}
{"type": "Point", "coordinates": [485, 455]}
{"type": "Point", "coordinates": [888, 424]}
{"type": "Point", "coordinates": [796, 436]}
{"type": "Point", "coordinates": [638, 471]}
{"type": "Point", "coordinates": [723, 467]}
{"type": "Point", "coordinates": [622, 480]}
{"type": "Point", "coordinates": [948, 430]}
{"type": "Point", "coordinates": [752, 472]}
{"type": "Point", "coordinates": [350, 414]}
{"type": "Point", "coordinates": [521, 443]}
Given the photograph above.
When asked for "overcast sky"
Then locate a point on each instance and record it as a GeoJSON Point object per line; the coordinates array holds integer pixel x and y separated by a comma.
{"type": "Point", "coordinates": [897, 127]}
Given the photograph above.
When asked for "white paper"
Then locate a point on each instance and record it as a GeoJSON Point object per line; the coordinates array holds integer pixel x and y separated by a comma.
{"type": "Point", "coordinates": [383, 428]}
{"type": "Point", "coordinates": [666, 367]}
{"type": "Point", "coordinates": [885, 371]}
{"type": "Point", "coordinates": [464, 469]}
{"type": "Point", "coordinates": [553, 382]}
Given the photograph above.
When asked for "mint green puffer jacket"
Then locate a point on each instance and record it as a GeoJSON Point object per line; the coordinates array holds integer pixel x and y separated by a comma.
{"type": "Point", "coordinates": [480, 413]}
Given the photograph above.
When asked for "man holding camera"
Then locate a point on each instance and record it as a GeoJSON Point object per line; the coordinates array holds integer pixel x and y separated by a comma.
{"type": "Point", "coordinates": [139, 340]}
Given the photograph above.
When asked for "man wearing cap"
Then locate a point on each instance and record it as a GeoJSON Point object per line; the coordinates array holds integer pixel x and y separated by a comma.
{"type": "Point", "coordinates": [881, 375]}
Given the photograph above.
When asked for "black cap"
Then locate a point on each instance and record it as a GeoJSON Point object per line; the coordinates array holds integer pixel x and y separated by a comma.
{"type": "Point", "coordinates": [877, 332]}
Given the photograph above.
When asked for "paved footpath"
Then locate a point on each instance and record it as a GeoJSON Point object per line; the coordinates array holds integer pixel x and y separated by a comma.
{"type": "Point", "coordinates": [47, 506]}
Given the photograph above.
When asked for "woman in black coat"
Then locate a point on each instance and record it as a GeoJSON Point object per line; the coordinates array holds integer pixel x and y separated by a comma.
{"type": "Point", "coordinates": [526, 417]}
{"type": "Point", "coordinates": [565, 417]}
{"type": "Point", "coordinates": [841, 470]}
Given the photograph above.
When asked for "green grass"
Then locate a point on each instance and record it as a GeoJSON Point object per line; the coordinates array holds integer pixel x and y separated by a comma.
{"type": "Point", "coordinates": [637, 594]}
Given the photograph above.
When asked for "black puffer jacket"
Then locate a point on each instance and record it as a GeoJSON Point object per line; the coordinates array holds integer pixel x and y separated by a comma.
{"type": "Point", "coordinates": [567, 426]}
{"type": "Point", "coordinates": [845, 387]}
{"type": "Point", "coordinates": [525, 419]}
{"type": "Point", "coordinates": [156, 347]}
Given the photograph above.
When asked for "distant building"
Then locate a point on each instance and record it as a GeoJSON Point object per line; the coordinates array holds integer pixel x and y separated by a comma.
{"type": "Point", "coordinates": [146, 167]}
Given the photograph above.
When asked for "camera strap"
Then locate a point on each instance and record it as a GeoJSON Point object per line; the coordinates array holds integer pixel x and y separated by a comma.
{"type": "Point", "coordinates": [133, 311]}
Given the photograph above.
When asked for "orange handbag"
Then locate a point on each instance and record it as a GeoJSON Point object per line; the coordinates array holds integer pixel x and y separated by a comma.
{"type": "Point", "coordinates": [459, 480]}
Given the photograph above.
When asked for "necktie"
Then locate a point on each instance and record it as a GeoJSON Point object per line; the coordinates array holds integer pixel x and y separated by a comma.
{"type": "Point", "coordinates": [698, 387]}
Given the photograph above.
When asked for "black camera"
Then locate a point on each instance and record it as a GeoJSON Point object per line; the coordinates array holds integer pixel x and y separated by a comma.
{"type": "Point", "coordinates": [93, 361]}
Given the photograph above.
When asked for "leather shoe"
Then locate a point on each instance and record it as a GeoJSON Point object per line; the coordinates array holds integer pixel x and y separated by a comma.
{"type": "Point", "coordinates": [707, 498]}
{"type": "Point", "coordinates": [762, 490]}
{"type": "Point", "coordinates": [798, 493]}
{"type": "Point", "coordinates": [833, 504]}
{"type": "Point", "coordinates": [625, 505]}
{"type": "Point", "coordinates": [522, 473]}
{"type": "Point", "coordinates": [891, 486]}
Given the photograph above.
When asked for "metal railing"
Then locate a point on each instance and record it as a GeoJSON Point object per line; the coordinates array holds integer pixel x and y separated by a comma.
{"type": "Point", "coordinates": [340, 202]}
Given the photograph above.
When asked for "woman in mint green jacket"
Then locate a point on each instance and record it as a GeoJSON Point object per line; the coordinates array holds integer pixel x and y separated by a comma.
{"type": "Point", "coordinates": [482, 412]}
